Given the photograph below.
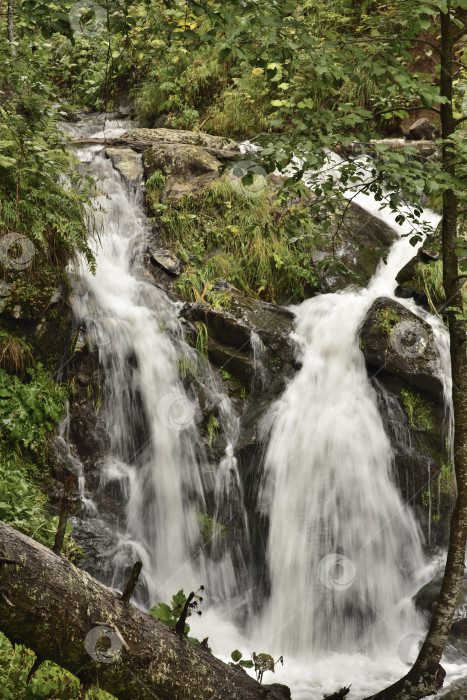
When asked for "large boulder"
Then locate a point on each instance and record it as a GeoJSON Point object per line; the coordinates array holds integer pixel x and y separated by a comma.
{"type": "Point", "coordinates": [352, 249]}
{"type": "Point", "coordinates": [421, 129]}
{"type": "Point", "coordinates": [397, 341]}
{"type": "Point", "coordinates": [242, 327]}
{"type": "Point", "coordinates": [187, 168]}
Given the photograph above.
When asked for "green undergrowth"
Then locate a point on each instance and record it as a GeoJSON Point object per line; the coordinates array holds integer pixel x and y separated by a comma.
{"type": "Point", "coordinates": [260, 248]}
{"type": "Point", "coordinates": [30, 408]}
{"type": "Point", "coordinates": [31, 404]}
{"type": "Point", "coordinates": [49, 682]}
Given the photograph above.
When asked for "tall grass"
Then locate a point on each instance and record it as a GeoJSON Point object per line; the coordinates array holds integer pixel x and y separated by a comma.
{"type": "Point", "coordinates": [248, 241]}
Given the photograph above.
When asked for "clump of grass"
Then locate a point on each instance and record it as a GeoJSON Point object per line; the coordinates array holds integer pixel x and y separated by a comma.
{"type": "Point", "coordinates": [387, 319]}
{"type": "Point", "coordinates": [430, 277]}
{"type": "Point", "coordinates": [201, 340]}
{"type": "Point", "coordinates": [243, 107]}
{"type": "Point", "coordinates": [248, 241]}
{"type": "Point", "coordinates": [15, 354]}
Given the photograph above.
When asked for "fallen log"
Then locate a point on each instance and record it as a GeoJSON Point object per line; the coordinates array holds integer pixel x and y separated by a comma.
{"type": "Point", "coordinates": [64, 615]}
{"type": "Point", "coordinates": [139, 145]}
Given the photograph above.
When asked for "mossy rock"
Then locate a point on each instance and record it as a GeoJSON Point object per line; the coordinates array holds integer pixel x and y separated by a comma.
{"type": "Point", "coordinates": [396, 340]}
{"type": "Point", "coordinates": [356, 244]}
{"type": "Point", "coordinates": [187, 168]}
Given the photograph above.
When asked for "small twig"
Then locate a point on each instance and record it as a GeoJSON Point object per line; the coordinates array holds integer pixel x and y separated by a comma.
{"type": "Point", "coordinates": [65, 510]}
{"type": "Point", "coordinates": [115, 629]}
{"type": "Point", "coordinates": [131, 583]}
{"type": "Point", "coordinates": [37, 662]}
{"type": "Point", "coordinates": [180, 626]}
{"type": "Point", "coordinates": [3, 594]}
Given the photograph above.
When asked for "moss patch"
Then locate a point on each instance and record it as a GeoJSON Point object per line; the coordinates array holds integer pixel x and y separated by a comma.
{"type": "Point", "coordinates": [419, 411]}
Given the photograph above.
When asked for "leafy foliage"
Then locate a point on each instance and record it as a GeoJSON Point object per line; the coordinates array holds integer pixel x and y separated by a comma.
{"type": "Point", "coordinates": [50, 681]}
{"type": "Point", "coordinates": [237, 659]}
{"type": "Point", "coordinates": [29, 411]}
{"type": "Point", "coordinates": [171, 615]}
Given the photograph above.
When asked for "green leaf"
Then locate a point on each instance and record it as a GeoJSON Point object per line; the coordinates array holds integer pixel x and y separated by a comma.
{"type": "Point", "coordinates": [236, 655]}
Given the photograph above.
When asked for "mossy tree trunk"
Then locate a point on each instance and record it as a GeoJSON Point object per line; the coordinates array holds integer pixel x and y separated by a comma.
{"type": "Point", "coordinates": [51, 606]}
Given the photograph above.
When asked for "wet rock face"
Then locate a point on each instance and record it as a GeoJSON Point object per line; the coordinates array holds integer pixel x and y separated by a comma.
{"type": "Point", "coordinates": [230, 339]}
{"type": "Point", "coordinates": [403, 366]}
{"type": "Point", "coordinates": [355, 249]}
{"type": "Point", "coordinates": [128, 163]}
{"type": "Point", "coordinates": [415, 424]}
{"type": "Point", "coordinates": [250, 340]}
{"type": "Point", "coordinates": [397, 341]}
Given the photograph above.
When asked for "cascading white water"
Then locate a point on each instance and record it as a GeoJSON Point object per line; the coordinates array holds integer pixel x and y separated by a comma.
{"type": "Point", "coordinates": [344, 550]}
{"type": "Point", "coordinates": [155, 458]}
{"type": "Point", "coordinates": [150, 420]}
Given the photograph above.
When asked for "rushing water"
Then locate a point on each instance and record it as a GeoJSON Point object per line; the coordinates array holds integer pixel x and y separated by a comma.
{"type": "Point", "coordinates": [344, 551]}
{"type": "Point", "coordinates": [340, 536]}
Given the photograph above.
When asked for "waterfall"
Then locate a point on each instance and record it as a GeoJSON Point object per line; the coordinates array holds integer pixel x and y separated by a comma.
{"type": "Point", "coordinates": [155, 462]}
{"type": "Point", "coordinates": [152, 455]}
{"type": "Point", "coordinates": [344, 550]}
